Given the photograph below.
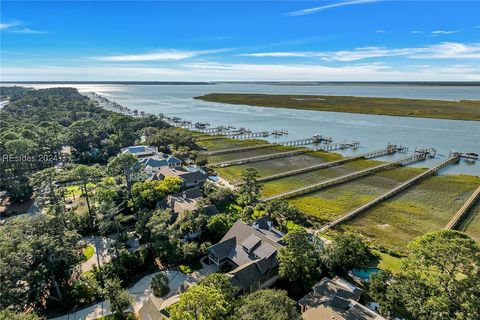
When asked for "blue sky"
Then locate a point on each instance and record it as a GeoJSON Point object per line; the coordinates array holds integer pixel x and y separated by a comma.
{"type": "Point", "coordinates": [347, 40]}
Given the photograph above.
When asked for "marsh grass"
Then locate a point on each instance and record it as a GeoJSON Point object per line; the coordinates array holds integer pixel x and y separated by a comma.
{"type": "Point", "coordinates": [223, 143]}
{"type": "Point", "coordinates": [278, 165]}
{"type": "Point", "coordinates": [335, 201]}
{"type": "Point", "coordinates": [441, 109]}
{"type": "Point", "coordinates": [471, 225]}
{"type": "Point", "coordinates": [423, 208]}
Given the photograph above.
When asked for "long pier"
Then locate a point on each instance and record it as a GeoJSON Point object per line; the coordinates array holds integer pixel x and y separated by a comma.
{"type": "Point", "coordinates": [259, 158]}
{"type": "Point", "coordinates": [417, 156]}
{"type": "Point", "coordinates": [462, 212]}
{"type": "Point", "coordinates": [390, 193]}
{"type": "Point", "coordinates": [390, 149]}
{"type": "Point", "coordinates": [300, 142]}
{"type": "Point", "coordinates": [338, 146]}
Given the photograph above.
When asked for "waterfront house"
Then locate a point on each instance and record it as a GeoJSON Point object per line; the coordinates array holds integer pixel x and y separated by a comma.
{"type": "Point", "coordinates": [249, 252]}
{"type": "Point", "coordinates": [335, 299]}
{"type": "Point", "coordinates": [189, 200]}
{"type": "Point", "coordinates": [189, 179]}
{"type": "Point", "coordinates": [141, 151]}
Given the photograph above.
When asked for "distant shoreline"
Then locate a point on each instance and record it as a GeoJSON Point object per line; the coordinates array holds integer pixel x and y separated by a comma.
{"type": "Point", "coordinates": [437, 109]}
{"type": "Point", "coordinates": [276, 83]}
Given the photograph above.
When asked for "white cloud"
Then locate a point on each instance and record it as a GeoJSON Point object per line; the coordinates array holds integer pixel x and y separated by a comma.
{"type": "Point", "coordinates": [4, 26]}
{"type": "Point", "coordinates": [329, 6]}
{"type": "Point", "coordinates": [416, 32]}
{"type": "Point", "coordinates": [380, 31]}
{"type": "Point", "coordinates": [445, 50]}
{"type": "Point", "coordinates": [211, 71]}
{"type": "Point", "coordinates": [160, 55]}
{"type": "Point", "coordinates": [443, 32]}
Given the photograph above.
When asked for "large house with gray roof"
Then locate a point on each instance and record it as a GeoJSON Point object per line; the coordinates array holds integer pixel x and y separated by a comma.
{"type": "Point", "coordinates": [335, 299]}
{"type": "Point", "coordinates": [250, 252]}
{"type": "Point", "coordinates": [140, 151]}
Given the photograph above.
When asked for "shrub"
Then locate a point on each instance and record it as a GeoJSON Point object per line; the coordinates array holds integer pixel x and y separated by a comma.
{"type": "Point", "coordinates": [159, 285]}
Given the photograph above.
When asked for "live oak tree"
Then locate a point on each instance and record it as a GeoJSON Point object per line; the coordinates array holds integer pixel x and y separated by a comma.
{"type": "Point", "coordinates": [201, 302]}
{"type": "Point", "coordinates": [440, 278]}
{"type": "Point", "coordinates": [37, 259]}
{"type": "Point", "coordinates": [118, 298]}
{"type": "Point", "coordinates": [298, 259]}
{"type": "Point", "coordinates": [221, 282]}
{"type": "Point", "coordinates": [250, 189]}
{"type": "Point", "coordinates": [267, 305]}
{"type": "Point", "coordinates": [281, 212]}
{"type": "Point", "coordinates": [159, 285]}
{"type": "Point", "coordinates": [125, 165]}
{"type": "Point", "coordinates": [346, 251]}
{"type": "Point", "coordinates": [85, 175]}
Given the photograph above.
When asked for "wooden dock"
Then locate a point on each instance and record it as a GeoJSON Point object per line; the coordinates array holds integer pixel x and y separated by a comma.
{"type": "Point", "coordinates": [417, 156]}
{"type": "Point", "coordinates": [463, 211]}
{"type": "Point", "coordinates": [390, 193]}
{"type": "Point", "coordinates": [338, 146]}
{"type": "Point", "coordinates": [390, 149]}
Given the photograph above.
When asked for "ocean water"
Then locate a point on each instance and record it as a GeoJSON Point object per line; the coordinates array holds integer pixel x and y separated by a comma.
{"type": "Point", "coordinates": [373, 132]}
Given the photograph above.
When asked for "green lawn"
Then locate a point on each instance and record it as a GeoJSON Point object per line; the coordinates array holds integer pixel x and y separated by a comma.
{"type": "Point", "coordinates": [422, 208]}
{"type": "Point", "coordinates": [386, 261]}
{"type": "Point", "coordinates": [88, 252]}
{"type": "Point", "coordinates": [471, 225]}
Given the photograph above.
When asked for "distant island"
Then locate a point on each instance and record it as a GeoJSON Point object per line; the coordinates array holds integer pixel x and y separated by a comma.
{"type": "Point", "coordinates": [438, 109]}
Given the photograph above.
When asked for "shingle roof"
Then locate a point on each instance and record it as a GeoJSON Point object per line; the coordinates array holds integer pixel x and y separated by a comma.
{"type": "Point", "coordinates": [235, 245]}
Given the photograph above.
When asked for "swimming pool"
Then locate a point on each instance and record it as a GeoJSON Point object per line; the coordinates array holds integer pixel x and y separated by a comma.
{"type": "Point", "coordinates": [363, 274]}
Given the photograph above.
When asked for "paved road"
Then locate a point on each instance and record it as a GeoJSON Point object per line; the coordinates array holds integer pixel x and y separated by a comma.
{"type": "Point", "coordinates": [141, 291]}
{"type": "Point", "coordinates": [102, 254]}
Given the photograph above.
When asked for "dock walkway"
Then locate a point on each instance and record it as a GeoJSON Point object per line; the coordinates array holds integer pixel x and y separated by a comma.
{"type": "Point", "coordinates": [461, 213]}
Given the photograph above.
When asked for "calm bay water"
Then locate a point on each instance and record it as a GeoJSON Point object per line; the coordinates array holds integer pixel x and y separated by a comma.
{"type": "Point", "coordinates": [373, 132]}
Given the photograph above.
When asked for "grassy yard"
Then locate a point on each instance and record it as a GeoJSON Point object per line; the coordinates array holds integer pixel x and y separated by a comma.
{"type": "Point", "coordinates": [88, 252]}
{"type": "Point", "coordinates": [425, 207]}
{"type": "Point", "coordinates": [279, 165]}
{"type": "Point", "coordinates": [335, 201]}
{"type": "Point", "coordinates": [386, 261]}
{"type": "Point", "coordinates": [471, 225]}
{"type": "Point", "coordinates": [440, 109]}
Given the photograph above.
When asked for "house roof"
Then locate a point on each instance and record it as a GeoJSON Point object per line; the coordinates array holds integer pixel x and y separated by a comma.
{"type": "Point", "coordinates": [139, 150]}
{"type": "Point", "coordinates": [188, 200]}
{"type": "Point", "coordinates": [182, 174]}
{"type": "Point", "coordinates": [252, 251]}
{"type": "Point", "coordinates": [352, 311]}
{"type": "Point", "coordinates": [327, 290]}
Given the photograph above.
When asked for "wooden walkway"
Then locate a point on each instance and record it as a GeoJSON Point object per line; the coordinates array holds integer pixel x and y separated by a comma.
{"type": "Point", "coordinates": [348, 177]}
{"type": "Point", "coordinates": [389, 194]}
{"type": "Point", "coordinates": [232, 150]}
{"type": "Point", "coordinates": [368, 155]}
{"type": "Point", "coordinates": [462, 212]}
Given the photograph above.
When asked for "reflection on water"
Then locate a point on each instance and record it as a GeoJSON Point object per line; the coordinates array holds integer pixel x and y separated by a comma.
{"type": "Point", "coordinates": [374, 132]}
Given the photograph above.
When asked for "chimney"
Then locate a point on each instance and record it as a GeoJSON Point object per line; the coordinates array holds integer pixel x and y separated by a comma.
{"type": "Point", "coordinates": [184, 195]}
{"type": "Point", "coordinates": [269, 224]}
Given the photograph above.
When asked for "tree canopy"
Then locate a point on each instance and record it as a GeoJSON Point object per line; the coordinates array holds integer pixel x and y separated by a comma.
{"type": "Point", "coordinates": [267, 304]}
{"type": "Point", "coordinates": [438, 280]}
